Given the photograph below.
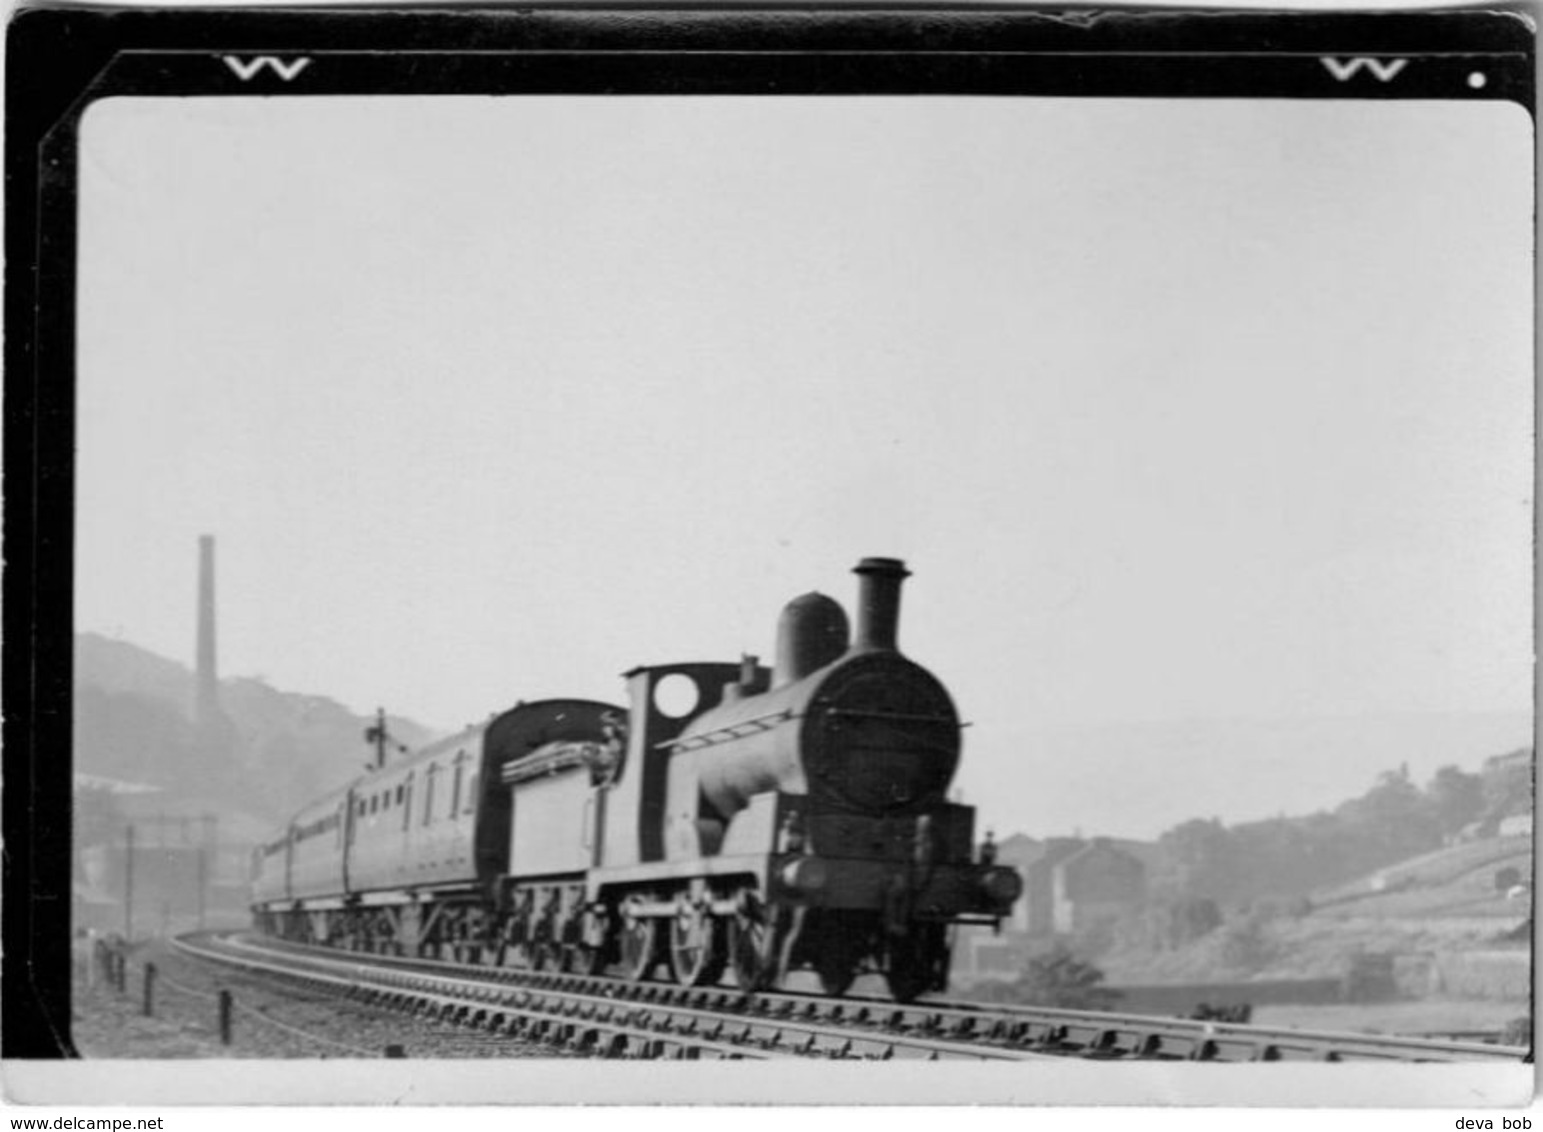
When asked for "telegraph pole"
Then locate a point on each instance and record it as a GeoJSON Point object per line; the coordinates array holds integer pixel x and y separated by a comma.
{"type": "Point", "coordinates": [203, 881]}
{"type": "Point", "coordinates": [379, 733]}
{"type": "Point", "coordinates": [128, 884]}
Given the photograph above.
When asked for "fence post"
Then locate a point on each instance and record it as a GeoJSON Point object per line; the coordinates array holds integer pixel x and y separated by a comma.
{"type": "Point", "coordinates": [149, 990]}
{"type": "Point", "coordinates": [225, 1017]}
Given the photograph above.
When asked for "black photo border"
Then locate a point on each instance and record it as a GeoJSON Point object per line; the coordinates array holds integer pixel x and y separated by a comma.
{"type": "Point", "coordinates": [61, 59]}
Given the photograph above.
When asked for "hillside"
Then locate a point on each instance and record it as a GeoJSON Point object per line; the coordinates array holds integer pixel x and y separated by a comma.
{"type": "Point", "coordinates": [1138, 779]}
{"type": "Point", "coordinates": [1465, 880]}
{"type": "Point", "coordinates": [1421, 875]}
{"type": "Point", "coordinates": [1458, 900]}
{"type": "Point", "coordinates": [132, 714]}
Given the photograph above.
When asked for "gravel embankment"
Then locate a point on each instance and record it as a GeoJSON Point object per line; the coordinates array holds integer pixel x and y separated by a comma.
{"type": "Point", "coordinates": [270, 1020]}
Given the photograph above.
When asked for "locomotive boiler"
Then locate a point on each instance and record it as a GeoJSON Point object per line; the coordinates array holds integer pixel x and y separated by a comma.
{"type": "Point", "coordinates": [730, 817]}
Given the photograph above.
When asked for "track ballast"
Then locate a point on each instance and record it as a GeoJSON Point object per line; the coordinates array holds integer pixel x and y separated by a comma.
{"type": "Point", "coordinates": [605, 1016]}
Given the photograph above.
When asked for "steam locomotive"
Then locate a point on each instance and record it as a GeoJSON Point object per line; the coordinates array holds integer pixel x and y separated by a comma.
{"type": "Point", "coordinates": [731, 816]}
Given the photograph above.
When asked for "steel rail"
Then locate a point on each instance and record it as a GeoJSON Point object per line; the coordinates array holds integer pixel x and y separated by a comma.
{"type": "Point", "coordinates": [1210, 1040]}
{"type": "Point", "coordinates": [595, 1036]}
{"type": "Point", "coordinates": [709, 1019]}
{"type": "Point", "coordinates": [713, 1012]}
{"type": "Point", "coordinates": [1043, 1030]}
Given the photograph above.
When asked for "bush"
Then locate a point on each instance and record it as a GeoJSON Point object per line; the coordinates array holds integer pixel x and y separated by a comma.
{"type": "Point", "coordinates": [1059, 979]}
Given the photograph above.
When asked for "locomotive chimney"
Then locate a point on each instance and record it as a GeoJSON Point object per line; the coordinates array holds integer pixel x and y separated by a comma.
{"type": "Point", "coordinates": [878, 603]}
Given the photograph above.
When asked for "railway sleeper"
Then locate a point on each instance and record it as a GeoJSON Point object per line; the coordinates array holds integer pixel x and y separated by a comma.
{"type": "Point", "coordinates": [1108, 1044]}
{"type": "Point", "coordinates": [614, 1046]}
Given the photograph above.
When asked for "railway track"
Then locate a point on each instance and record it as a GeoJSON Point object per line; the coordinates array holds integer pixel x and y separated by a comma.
{"type": "Point", "coordinates": [612, 1017]}
{"type": "Point", "coordinates": [588, 1015]}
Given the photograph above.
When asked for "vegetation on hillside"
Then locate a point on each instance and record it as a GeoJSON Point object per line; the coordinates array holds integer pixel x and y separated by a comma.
{"type": "Point", "coordinates": [1240, 901]}
{"type": "Point", "coordinates": [273, 751]}
{"type": "Point", "coordinates": [1285, 858]}
{"type": "Point", "coordinates": [1054, 977]}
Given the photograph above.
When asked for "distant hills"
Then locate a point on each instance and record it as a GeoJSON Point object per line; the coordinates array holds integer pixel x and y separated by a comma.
{"type": "Point", "coordinates": [278, 750]}
{"type": "Point", "coordinates": [1132, 779]}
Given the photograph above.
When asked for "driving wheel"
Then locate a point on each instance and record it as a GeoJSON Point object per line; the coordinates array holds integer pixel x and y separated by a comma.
{"type": "Point", "coordinates": [639, 936]}
{"type": "Point", "coordinates": [696, 946]}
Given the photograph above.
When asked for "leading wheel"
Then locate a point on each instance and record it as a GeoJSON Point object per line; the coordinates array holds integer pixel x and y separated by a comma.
{"type": "Point", "coordinates": [914, 962]}
{"type": "Point", "coordinates": [836, 963]}
{"type": "Point", "coordinates": [696, 947]}
{"type": "Point", "coordinates": [841, 941]}
{"type": "Point", "coordinates": [751, 950]}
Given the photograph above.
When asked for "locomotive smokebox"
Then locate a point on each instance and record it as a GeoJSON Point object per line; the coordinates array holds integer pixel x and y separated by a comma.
{"type": "Point", "coordinates": [878, 603]}
{"type": "Point", "coordinates": [811, 633]}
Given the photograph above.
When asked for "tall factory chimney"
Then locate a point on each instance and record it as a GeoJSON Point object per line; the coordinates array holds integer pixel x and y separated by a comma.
{"type": "Point", "coordinates": [207, 708]}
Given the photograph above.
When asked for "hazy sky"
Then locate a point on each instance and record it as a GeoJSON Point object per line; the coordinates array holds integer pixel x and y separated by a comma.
{"type": "Point", "coordinates": [1206, 410]}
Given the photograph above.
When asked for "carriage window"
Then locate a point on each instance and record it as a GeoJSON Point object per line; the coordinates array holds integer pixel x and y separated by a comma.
{"type": "Point", "coordinates": [401, 792]}
{"type": "Point", "coordinates": [374, 802]}
{"type": "Point", "coordinates": [455, 790]}
{"type": "Point", "coordinates": [428, 796]}
{"type": "Point", "coordinates": [471, 793]}
{"type": "Point", "coordinates": [407, 805]}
